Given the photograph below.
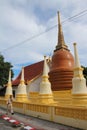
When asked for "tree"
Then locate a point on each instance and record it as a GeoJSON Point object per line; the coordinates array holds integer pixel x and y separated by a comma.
{"type": "Point", "coordinates": [85, 72]}
{"type": "Point", "coordinates": [4, 71]}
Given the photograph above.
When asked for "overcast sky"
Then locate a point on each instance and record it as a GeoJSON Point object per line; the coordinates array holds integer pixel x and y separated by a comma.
{"type": "Point", "coordinates": [23, 19]}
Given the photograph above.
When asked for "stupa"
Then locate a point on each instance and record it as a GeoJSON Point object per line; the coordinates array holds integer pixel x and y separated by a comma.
{"type": "Point", "coordinates": [79, 89]}
{"type": "Point", "coordinates": [21, 94]}
{"type": "Point", "coordinates": [9, 87]}
{"type": "Point", "coordinates": [45, 93]}
{"type": "Point", "coordinates": [61, 71]}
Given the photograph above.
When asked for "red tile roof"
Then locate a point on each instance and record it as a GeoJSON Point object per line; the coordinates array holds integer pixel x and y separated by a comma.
{"type": "Point", "coordinates": [30, 72]}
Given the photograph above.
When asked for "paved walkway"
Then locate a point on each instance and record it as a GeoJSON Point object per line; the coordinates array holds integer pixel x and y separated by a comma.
{"type": "Point", "coordinates": [36, 123]}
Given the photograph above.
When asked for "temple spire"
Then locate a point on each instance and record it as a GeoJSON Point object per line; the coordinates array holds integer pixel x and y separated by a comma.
{"type": "Point", "coordinates": [79, 82]}
{"type": "Point", "coordinates": [77, 62]}
{"type": "Point", "coordinates": [21, 93]}
{"type": "Point", "coordinates": [45, 93]}
{"type": "Point", "coordinates": [61, 43]}
{"type": "Point", "coordinates": [45, 85]}
{"type": "Point", "coordinates": [22, 76]}
{"type": "Point", "coordinates": [45, 69]}
{"type": "Point", "coordinates": [9, 79]}
{"type": "Point", "coordinates": [9, 87]}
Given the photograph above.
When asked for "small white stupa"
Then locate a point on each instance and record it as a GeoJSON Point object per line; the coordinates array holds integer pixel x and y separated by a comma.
{"type": "Point", "coordinates": [78, 81]}
{"type": "Point", "coordinates": [21, 93]}
{"type": "Point", "coordinates": [9, 87]}
{"type": "Point", "coordinates": [79, 89]}
{"type": "Point", "coordinates": [45, 93]}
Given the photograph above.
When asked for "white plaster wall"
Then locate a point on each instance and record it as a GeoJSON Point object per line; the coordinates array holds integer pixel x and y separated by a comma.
{"type": "Point", "coordinates": [34, 86]}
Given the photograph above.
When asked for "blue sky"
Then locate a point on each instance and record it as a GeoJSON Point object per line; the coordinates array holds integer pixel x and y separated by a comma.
{"type": "Point", "coordinates": [22, 19]}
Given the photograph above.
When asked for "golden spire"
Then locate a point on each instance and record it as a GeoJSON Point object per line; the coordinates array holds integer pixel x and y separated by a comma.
{"type": "Point", "coordinates": [61, 43]}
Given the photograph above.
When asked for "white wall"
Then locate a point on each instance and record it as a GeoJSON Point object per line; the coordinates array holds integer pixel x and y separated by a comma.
{"type": "Point", "coordinates": [34, 86]}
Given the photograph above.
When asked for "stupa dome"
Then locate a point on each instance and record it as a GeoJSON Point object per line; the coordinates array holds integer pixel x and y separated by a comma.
{"type": "Point", "coordinates": [62, 59]}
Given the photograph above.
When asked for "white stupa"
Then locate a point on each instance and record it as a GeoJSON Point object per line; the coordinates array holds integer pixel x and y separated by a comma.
{"type": "Point", "coordinates": [78, 81]}
{"type": "Point", "coordinates": [21, 93]}
{"type": "Point", "coordinates": [9, 87]}
{"type": "Point", "coordinates": [45, 93]}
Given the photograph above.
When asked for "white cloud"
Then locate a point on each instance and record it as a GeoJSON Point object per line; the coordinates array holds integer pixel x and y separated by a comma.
{"type": "Point", "coordinates": [19, 21]}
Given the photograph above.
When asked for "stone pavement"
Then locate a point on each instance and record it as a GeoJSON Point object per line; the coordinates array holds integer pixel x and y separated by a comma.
{"type": "Point", "coordinates": [33, 122]}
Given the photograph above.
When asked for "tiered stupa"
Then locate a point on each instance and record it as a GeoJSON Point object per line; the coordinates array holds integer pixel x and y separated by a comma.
{"type": "Point", "coordinates": [45, 93]}
{"type": "Point", "coordinates": [21, 94]}
{"type": "Point", "coordinates": [9, 87]}
{"type": "Point", "coordinates": [79, 89]}
{"type": "Point", "coordinates": [61, 71]}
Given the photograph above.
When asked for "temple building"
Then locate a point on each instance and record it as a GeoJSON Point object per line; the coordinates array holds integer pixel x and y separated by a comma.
{"type": "Point", "coordinates": [31, 72]}
{"type": "Point", "coordinates": [60, 68]}
{"type": "Point", "coordinates": [53, 89]}
{"type": "Point", "coordinates": [32, 76]}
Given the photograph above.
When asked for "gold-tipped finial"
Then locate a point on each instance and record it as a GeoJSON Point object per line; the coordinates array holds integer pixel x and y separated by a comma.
{"type": "Point", "coordinates": [45, 67]}
{"type": "Point", "coordinates": [61, 43]}
{"type": "Point", "coordinates": [58, 17]}
{"type": "Point", "coordinates": [74, 44]}
{"type": "Point", "coordinates": [44, 56]}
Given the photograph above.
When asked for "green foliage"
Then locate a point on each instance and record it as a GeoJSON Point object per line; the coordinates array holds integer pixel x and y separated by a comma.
{"type": "Point", "coordinates": [4, 71]}
{"type": "Point", "coordinates": [85, 72]}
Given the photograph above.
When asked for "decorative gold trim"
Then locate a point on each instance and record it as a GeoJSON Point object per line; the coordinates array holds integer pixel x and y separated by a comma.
{"type": "Point", "coordinates": [21, 95]}
{"type": "Point", "coordinates": [22, 82]}
{"type": "Point", "coordinates": [9, 84]}
{"type": "Point", "coordinates": [78, 68]}
{"type": "Point", "coordinates": [45, 94]}
{"type": "Point", "coordinates": [33, 92]}
{"type": "Point", "coordinates": [82, 94]}
{"type": "Point", "coordinates": [76, 113]}
{"type": "Point", "coordinates": [37, 108]}
{"type": "Point", "coordinates": [78, 75]}
{"type": "Point", "coordinates": [44, 76]}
